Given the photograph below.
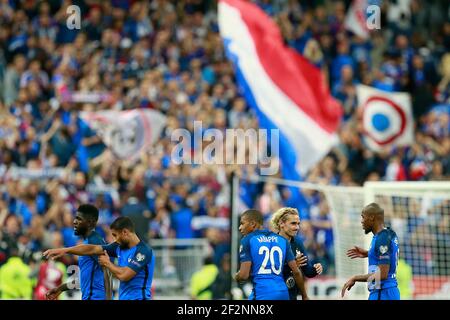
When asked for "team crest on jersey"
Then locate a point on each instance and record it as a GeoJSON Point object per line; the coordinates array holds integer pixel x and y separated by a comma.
{"type": "Point", "coordinates": [396, 241]}
{"type": "Point", "coordinates": [140, 257]}
{"type": "Point", "coordinates": [383, 249]}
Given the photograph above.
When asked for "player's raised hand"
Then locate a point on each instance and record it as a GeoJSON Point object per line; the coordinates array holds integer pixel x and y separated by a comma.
{"type": "Point", "coordinates": [357, 252]}
{"type": "Point", "coordinates": [319, 268]}
{"type": "Point", "coordinates": [301, 260]}
{"type": "Point", "coordinates": [347, 286]}
{"type": "Point", "coordinates": [52, 294]}
{"type": "Point", "coordinates": [54, 253]}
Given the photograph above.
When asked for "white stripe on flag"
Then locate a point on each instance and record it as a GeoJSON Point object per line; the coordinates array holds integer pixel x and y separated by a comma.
{"type": "Point", "coordinates": [308, 139]}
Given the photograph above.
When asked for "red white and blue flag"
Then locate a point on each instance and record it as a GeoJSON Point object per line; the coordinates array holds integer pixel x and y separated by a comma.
{"type": "Point", "coordinates": [286, 91]}
{"type": "Point", "coordinates": [386, 117]}
{"type": "Point", "coordinates": [126, 133]}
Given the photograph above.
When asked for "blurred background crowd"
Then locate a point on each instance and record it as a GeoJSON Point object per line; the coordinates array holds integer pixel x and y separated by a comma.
{"type": "Point", "coordinates": [168, 56]}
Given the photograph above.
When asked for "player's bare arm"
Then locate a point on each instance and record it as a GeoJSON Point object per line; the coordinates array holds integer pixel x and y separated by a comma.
{"type": "Point", "coordinates": [107, 281]}
{"type": "Point", "coordinates": [54, 293]}
{"type": "Point", "coordinates": [299, 279]}
{"type": "Point", "coordinates": [383, 271]}
{"type": "Point", "coordinates": [244, 272]}
{"type": "Point", "coordinates": [121, 273]}
{"type": "Point", "coordinates": [357, 252]}
{"type": "Point", "coordinates": [79, 250]}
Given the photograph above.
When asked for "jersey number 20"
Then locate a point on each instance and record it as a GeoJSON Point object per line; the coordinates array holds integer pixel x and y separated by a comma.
{"type": "Point", "coordinates": [270, 254]}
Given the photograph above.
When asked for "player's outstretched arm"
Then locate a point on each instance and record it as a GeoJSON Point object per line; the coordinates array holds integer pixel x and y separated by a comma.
{"type": "Point", "coordinates": [54, 293]}
{"type": "Point", "coordinates": [299, 279]}
{"type": "Point", "coordinates": [381, 274]}
{"type": "Point", "coordinates": [357, 252]}
{"type": "Point", "coordinates": [79, 250]}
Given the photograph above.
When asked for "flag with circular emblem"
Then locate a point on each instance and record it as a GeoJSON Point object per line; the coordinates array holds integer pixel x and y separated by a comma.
{"type": "Point", "coordinates": [386, 118]}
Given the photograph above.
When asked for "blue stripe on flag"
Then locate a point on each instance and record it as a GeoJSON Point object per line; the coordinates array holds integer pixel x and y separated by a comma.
{"type": "Point", "coordinates": [287, 155]}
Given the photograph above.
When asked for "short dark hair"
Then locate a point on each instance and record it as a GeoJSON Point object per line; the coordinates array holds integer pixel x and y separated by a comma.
{"type": "Point", "coordinates": [122, 223]}
{"type": "Point", "coordinates": [254, 215]}
{"type": "Point", "coordinates": [374, 209]}
{"type": "Point", "coordinates": [208, 260]}
{"type": "Point", "coordinates": [89, 211]}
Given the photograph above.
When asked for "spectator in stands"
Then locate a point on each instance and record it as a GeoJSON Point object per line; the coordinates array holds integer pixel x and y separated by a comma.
{"type": "Point", "coordinates": [221, 288]}
{"type": "Point", "coordinates": [202, 281]}
{"type": "Point", "coordinates": [15, 281]}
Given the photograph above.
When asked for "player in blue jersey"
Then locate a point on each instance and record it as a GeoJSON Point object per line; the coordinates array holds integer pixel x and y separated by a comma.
{"type": "Point", "coordinates": [262, 255]}
{"type": "Point", "coordinates": [286, 223]}
{"type": "Point", "coordinates": [95, 282]}
{"type": "Point", "coordinates": [136, 262]}
{"type": "Point", "coordinates": [383, 257]}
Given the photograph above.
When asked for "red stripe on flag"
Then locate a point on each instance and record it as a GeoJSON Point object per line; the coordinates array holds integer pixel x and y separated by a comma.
{"type": "Point", "coordinates": [301, 81]}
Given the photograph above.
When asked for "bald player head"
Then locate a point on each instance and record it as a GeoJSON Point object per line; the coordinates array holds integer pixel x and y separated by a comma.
{"type": "Point", "coordinates": [372, 217]}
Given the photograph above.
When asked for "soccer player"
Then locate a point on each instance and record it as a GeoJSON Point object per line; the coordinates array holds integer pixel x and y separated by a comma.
{"type": "Point", "coordinates": [135, 259]}
{"type": "Point", "coordinates": [95, 281]}
{"type": "Point", "coordinates": [263, 254]}
{"type": "Point", "coordinates": [383, 257]}
{"type": "Point", "coordinates": [286, 222]}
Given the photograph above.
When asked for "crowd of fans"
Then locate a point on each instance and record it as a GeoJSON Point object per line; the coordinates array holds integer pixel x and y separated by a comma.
{"type": "Point", "coordinates": [168, 56]}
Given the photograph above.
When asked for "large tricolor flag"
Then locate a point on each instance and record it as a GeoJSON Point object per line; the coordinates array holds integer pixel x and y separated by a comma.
{"type": "Point", "coordinates": [386, 117]}
{"type": "Point", "coordinates": [287, 91]}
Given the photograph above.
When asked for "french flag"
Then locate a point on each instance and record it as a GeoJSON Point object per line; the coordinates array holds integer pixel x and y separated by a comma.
{"type": "Point", "coordinates": [286, 91]}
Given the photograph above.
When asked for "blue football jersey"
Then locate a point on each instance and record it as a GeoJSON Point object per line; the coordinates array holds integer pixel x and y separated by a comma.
{"type": "Point", "coordinates": [141, 260]}
{"type": "Point", "coordinates": [268, 253]}
{"type": "Point", "coordinates": [91, 273]}
{"type": "Point", "coordinates": [308, 270]}
{"type": "Point", "coordinates": [384, 249]}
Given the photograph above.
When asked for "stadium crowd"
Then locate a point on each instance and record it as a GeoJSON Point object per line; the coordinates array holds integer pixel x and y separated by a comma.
{"type": "Point", "coordinates": [168, 56]}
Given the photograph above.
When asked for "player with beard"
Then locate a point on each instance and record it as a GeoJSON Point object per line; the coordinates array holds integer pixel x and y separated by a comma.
{"type": "Point", "coordinates": [286, 222]}
{"type": "Point", "coordinates": [136, 262]}
{"type": "Point", "coordinates": [95, 281]}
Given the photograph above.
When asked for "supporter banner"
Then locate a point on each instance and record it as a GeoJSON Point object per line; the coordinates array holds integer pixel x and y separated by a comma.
{"type": "Point", "coordinates": [35, 174]}
{"type": "Point", "coordinates": [286, 91]}
{"type": "Point", "coordinates": [386, 117]}
{"type": "Point", "coordinates": [85, 97]}
{"type": "Point", "coordinates": [204, 222]}
{"type": "Point", "coordinates": [126, 133]}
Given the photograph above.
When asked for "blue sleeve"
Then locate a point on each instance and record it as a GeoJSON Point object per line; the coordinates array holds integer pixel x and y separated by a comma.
{"type": "Point", "coordinates": [244, 250]}
{"type": "Point", "coordinates": [97, 240]}
{"type": "Point", "coordinates": [382, 249]}
{"type": "Point", "coordinates": [140, 259]}
{"type": "Point", "coordinates": [111, 249]}
{"type": "Point", "coordinates": [309, 269]}
{"type": "Point", "coordinates": [289, 254]}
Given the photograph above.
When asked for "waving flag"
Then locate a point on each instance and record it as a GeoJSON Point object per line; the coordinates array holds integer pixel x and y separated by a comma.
{"type": "Point", "coordinates": [126, 133]}
{"type": "Point", "coordinates": [286, 91]}
{"type": "Point", "coordinates": [358, 14]}
{"type": "Point", "coordinates": [386, 116]}
{"type": "Point", "coordinates": [356, 18]}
